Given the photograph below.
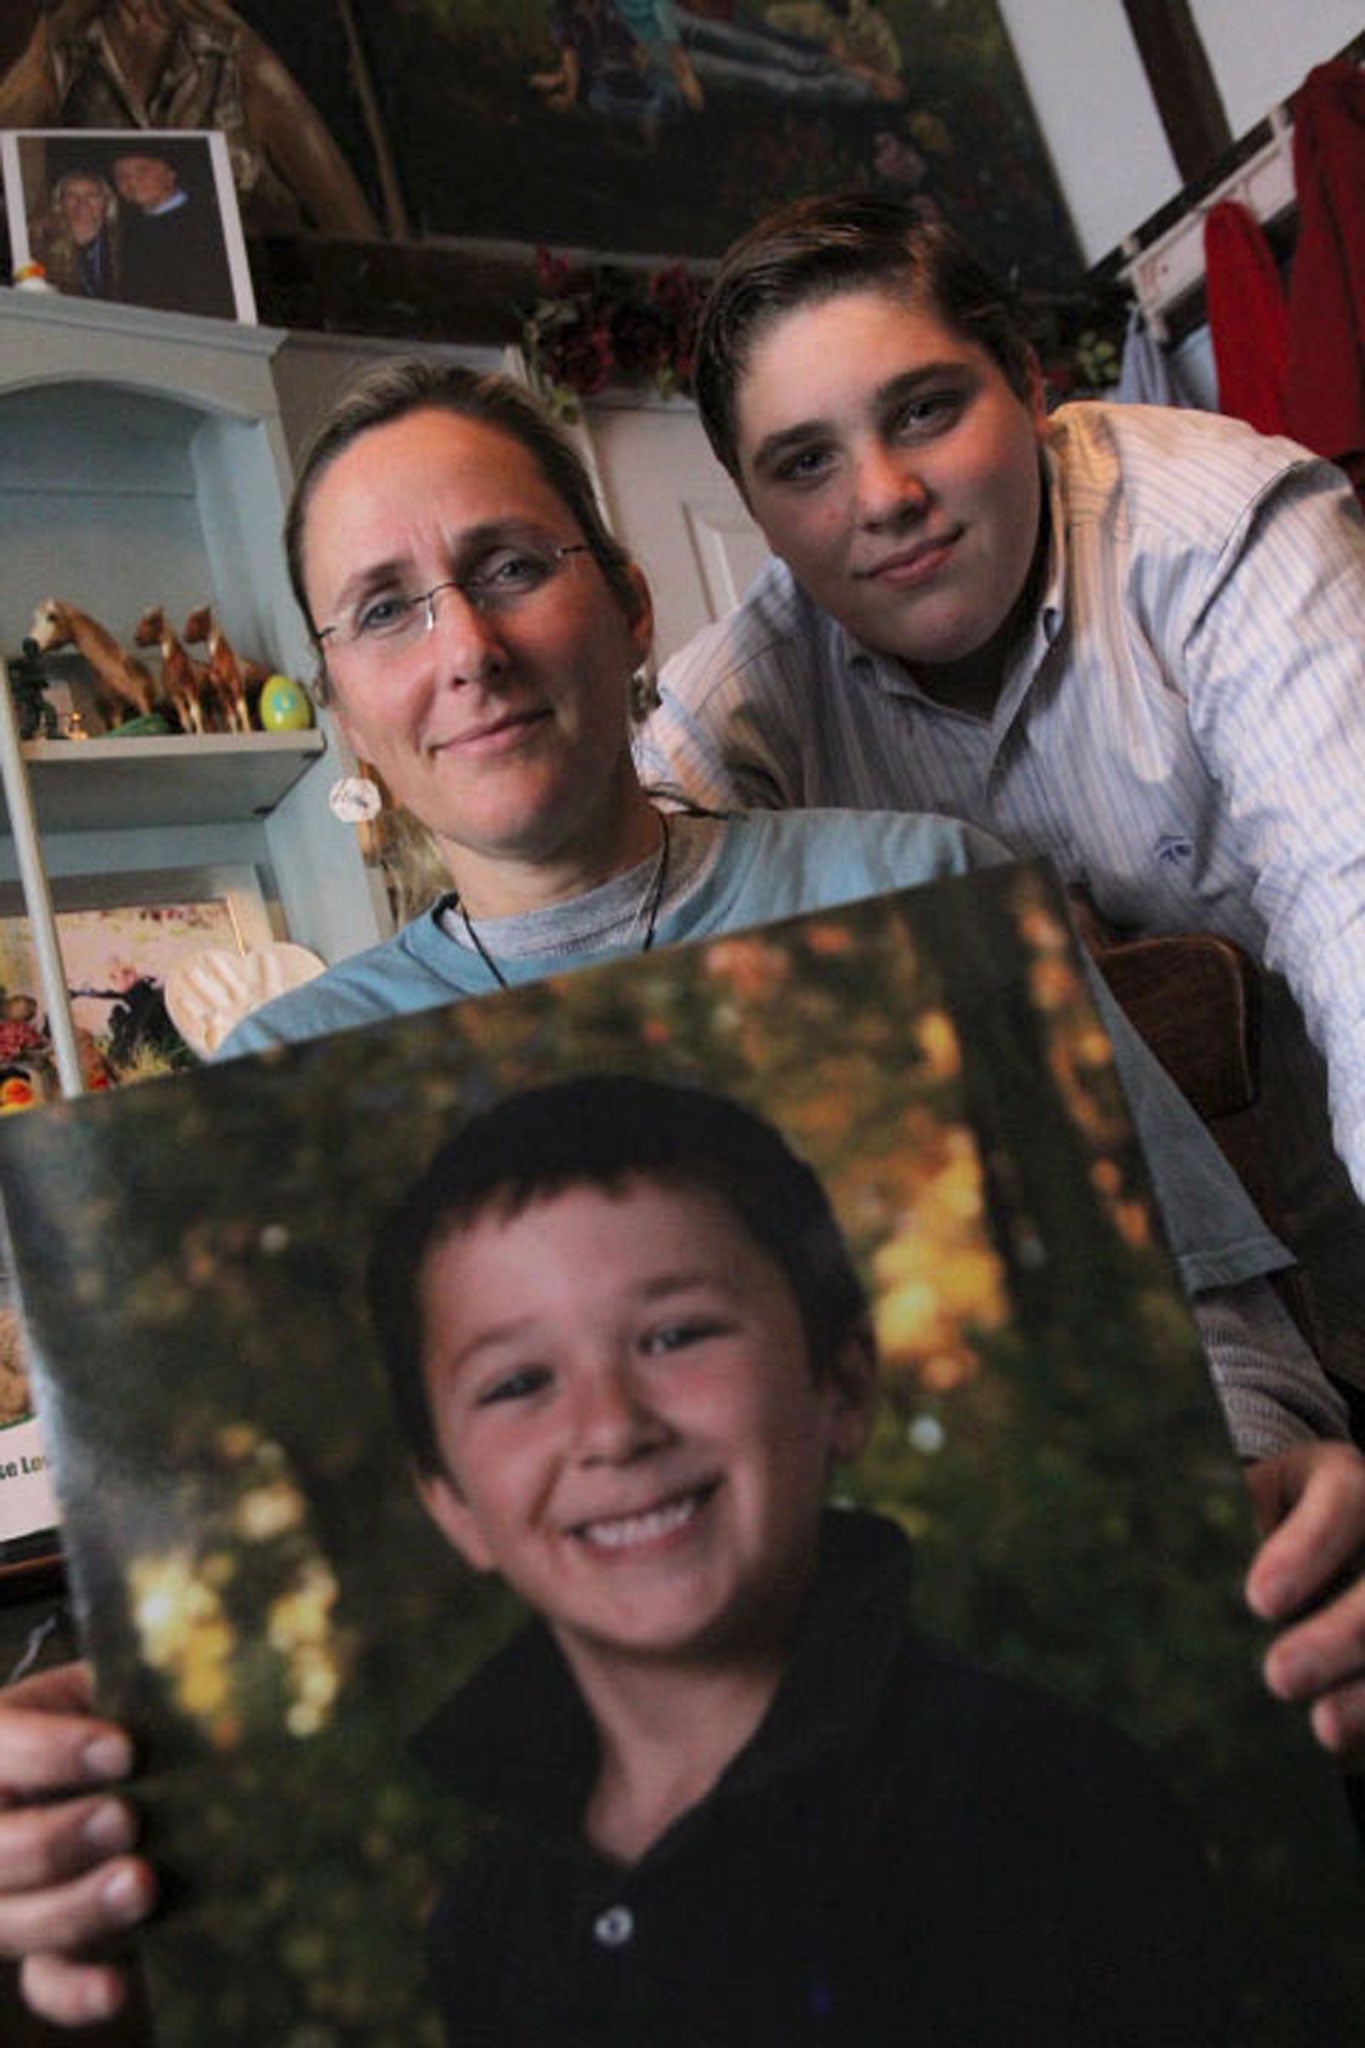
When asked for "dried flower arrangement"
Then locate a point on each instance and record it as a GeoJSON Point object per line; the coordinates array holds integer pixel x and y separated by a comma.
{"type": "Point", "coordinates": [603, 323]}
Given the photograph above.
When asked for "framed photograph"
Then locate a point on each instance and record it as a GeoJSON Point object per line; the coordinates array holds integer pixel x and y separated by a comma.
{"type": "Point", "coordinates": [144, 217]}
{"type": "Point", "coordinates": [120, 936]}
{"type": "Point", "coordinates": [354, 1498]}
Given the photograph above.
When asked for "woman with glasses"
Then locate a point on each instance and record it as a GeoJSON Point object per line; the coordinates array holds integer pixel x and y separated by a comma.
{"type": "Point", "coordinates": [479, 632]}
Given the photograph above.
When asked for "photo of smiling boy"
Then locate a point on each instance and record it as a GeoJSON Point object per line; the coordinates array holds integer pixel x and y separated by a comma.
{"type": "Point", "coordinates": [725, 1790]}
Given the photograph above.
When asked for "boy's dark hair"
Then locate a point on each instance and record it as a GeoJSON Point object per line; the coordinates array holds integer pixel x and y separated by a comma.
{"type": "Point", "coordinates": [601, 1130]}
{"type": "Point", "coordinates": [407, 384]}
{"type": "Point", "coordinates": [817, 249]}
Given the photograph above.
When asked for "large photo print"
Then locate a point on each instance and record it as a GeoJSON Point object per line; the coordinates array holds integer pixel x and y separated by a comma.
{"type": "Point", "coordinates": [660, 128]}
{"type": "Point", "coordinates": [645, 128]}
{"type": "Point", "coordinates": [771, 1338]}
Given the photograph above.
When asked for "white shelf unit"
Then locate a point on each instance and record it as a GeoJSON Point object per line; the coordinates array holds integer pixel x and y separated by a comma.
{"type": "Point", "coordinates": [142, 462]}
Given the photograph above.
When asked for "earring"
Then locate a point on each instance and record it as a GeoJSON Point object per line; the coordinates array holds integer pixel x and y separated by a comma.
{"type": "Point", "coordinates": [644, 695]}
{"type": "Point", "coordinates": [355, 799]}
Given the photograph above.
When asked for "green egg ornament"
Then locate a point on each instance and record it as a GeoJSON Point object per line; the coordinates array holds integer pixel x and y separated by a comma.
{"type": "Point", "coordinates": [284, 705]}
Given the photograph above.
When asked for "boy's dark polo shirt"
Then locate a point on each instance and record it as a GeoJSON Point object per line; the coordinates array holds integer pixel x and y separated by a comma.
{"type": "Point", "coordinates": [910, 1849]}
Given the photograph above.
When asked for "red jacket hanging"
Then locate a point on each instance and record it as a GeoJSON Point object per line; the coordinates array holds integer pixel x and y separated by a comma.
{"type": "Point", "coordinates": [1247, 321]}
{"type": "Point", "coordinates": [1325, 390]}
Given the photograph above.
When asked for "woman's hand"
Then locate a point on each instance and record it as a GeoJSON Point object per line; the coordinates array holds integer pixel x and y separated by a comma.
{"type": "Point", "coordinates": [67, 1877]}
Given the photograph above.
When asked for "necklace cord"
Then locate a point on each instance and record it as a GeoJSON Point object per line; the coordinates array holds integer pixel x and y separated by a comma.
{"type": "Point", "coordinates": [651, 904]}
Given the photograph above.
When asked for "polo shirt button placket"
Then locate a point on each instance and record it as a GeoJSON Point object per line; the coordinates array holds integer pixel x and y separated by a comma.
{"type": "Point", "coordinates": [614, 1927]}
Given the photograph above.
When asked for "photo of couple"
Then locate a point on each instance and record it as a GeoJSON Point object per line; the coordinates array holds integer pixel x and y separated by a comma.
{"type": "Point", "coordinates": [145, 219]}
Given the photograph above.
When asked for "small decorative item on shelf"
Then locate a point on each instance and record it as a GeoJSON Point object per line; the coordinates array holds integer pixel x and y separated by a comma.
{"type": "Point", "coordinates": [208, 992]}
{"type": "Point", "coordinates": [146, 724]}
{"type": "Point", "coordinates": [283, 705]}
{"type": "Point", "coordinates": [232, 677]}
{"type": "Point", "coordinates": [122, 685]}
{"type": "Point", "coordinates": [191, 696]}
{"type": "Point", "coordinates": [35, 714]}
{"type": "Point", "coordinates": [602, 323]}
{"type": "Point", "coordinates": [32, 277]}
{"type": "Point", "coordinates": [184, 681]}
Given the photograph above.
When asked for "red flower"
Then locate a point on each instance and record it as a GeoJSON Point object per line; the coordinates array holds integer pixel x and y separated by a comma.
{"type": "Point", "coordinates": [552, 274]}
{"type": "Point", "coordinates": [639, 339]}
{"type": "Point", "coordinates": [18, 1038]}
{"type": "Point", "coordinates": [579, 356]}
{"type": "Point", "coordinates": [614, 323]}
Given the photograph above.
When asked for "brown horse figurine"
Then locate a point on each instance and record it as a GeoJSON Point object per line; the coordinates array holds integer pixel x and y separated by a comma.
{"type": "Point", "coordinates": [120, 679]}
{"type": "Point", "coordinates": [228, 674]}
{"type": "Point", "coordinates": [184, 680]}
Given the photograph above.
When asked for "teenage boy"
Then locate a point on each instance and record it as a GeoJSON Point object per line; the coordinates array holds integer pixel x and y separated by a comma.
{"type": "Point", "coordinates": [1125, 637]}
{"type": "Point", "coordinates": [723, 1791]}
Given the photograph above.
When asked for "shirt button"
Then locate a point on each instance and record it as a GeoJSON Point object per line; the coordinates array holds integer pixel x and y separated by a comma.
{"type": "Point", "coordinates": [615, 1927]}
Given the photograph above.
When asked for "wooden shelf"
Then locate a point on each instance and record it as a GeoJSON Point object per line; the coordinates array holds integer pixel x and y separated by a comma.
{"type": "Point", "coordinates": [107, 785]}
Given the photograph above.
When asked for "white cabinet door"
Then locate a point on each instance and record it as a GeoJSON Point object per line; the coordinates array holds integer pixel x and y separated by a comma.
{"type": "Point", "coordinates": [672, 504]}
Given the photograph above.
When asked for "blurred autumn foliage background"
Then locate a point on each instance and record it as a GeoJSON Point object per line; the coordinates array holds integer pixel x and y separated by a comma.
{"type": "Point", "coordinates": [266, 1603]}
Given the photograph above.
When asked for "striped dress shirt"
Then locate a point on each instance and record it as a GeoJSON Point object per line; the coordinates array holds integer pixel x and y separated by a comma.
{"type": "Point", "coordinates": [1182, 729]}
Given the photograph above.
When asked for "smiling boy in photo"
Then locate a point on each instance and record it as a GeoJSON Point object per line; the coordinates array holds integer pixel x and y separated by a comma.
{"type": "Point", "coordinates": [725, 1792]}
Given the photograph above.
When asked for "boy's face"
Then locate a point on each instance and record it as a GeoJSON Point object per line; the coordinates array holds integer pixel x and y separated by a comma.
{"type": "Point", "coordinates": [894, 469]}
{"type": "Point", "coordinates": [628, 1421]}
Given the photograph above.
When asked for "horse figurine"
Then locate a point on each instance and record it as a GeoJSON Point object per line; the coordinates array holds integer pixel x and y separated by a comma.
{"type": "Point", "coordinates": [229, 675]}
{"type": "Point", "coordinates": [120, 679]}
{"type": "Point", "coordinates": [184, 681]}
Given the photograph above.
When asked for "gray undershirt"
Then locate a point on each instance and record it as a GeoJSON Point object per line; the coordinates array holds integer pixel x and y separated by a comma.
{"type": "Point", "coordinates": [610, 918]}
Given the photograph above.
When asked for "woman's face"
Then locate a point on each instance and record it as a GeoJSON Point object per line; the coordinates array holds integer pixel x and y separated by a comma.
{"type": "Point", "coordinates": [504, 728]}
{"type": "Point", "coordinates": [83, 206]}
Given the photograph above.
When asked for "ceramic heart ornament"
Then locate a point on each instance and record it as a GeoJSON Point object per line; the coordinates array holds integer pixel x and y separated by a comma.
{"type": "Point", "coordinates": [210, 991]}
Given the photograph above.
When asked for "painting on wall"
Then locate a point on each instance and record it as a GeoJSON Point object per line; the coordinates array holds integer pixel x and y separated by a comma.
{"type": "Point", "coordinates": [655, 128]}
{"type": "Point", "coordinates": [638, 128]}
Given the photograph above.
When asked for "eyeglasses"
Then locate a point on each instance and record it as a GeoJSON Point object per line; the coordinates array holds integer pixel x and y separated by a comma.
{"type": "Point", "coordinates": [501, 581]}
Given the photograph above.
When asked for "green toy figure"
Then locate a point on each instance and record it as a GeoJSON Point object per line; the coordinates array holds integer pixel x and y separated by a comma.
{"type": "Point", "coordinates": [37, 717]}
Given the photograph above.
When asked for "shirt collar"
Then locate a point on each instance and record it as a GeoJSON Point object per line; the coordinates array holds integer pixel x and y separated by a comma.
{"type": "Point", "coordinates": [517, 1736]}
{"type": "Point", "coordinates": [1052, 608]}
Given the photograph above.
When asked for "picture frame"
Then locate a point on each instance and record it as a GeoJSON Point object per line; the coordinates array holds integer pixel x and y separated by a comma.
{"type": "Point", "coordinates": [147, 217]}
{"type": "Point", "coordinates": [272, 1610]}
{"type": "Point", "coordinates": [111, 928]}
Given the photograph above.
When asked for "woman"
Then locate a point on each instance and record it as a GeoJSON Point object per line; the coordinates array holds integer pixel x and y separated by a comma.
{"type": "Point", "coordinates": [479, 631]}
{"type": "Point", "coordinates": [77, 240]}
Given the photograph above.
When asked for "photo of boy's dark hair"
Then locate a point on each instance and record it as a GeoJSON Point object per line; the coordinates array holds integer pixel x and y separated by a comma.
{"type": "Point", "coordinates": [602, 1130]}
{"type": "Point", "coordinates": [817, 249]}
